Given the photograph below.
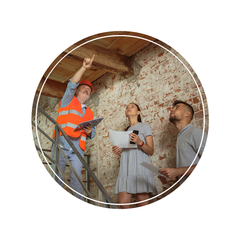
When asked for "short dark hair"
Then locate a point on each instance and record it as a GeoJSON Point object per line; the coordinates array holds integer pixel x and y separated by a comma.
{"type": "Point", "coordinates": [188, 105]}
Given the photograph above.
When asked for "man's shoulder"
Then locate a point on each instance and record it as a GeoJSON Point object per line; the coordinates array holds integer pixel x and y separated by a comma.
{"type": "Point", "coordinates": [89, 109]}
{"type": "Point", "coordinates": [190, 130]}
{"type": "Point", "coordinates": [196, 133]}
{"type": "Point", "coordinates": [196, 130]}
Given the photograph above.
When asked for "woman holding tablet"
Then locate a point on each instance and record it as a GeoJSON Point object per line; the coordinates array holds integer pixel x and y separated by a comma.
{"type": "Point", "coordinates": [132, 177]}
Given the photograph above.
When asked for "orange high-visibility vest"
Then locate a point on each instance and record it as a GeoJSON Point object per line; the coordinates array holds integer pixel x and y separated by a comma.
{"type": "Point", "coordinates": [70, 116]}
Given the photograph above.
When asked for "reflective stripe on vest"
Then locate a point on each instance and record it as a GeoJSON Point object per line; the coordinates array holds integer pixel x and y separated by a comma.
{"type": "Point", "coordinates": [72, 126]}
{"type": "Point", "coordinates": [70, 117]}
{"type": "Point", "coordinates": [84, 139]}
{"type": "Point", "coordinates": [70, 111]}
{"type": "Point", "coordinates": [68, 125]}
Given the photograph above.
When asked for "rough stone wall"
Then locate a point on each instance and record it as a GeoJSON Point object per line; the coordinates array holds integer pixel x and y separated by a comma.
{"type": "Point", "coordinates": [160, 78]}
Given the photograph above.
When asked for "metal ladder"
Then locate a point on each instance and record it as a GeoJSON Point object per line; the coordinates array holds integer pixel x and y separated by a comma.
{"type": "Point", "coordinates": [56, 168]}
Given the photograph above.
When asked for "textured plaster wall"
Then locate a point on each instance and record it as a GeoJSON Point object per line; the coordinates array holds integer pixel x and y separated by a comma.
{"type": "Point", "coordinates": [159, 79]}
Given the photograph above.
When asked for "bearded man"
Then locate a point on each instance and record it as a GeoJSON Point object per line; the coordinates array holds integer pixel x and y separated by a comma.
{"type": "Point", "coordinates": [190, 143]}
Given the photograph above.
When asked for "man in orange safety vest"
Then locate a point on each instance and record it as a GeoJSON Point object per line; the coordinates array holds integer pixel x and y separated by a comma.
{"type": "Point", "coordinates": [72, 111]}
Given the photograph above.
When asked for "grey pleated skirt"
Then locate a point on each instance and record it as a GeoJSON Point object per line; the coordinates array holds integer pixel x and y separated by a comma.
{"type": "Point", "coordinates": [132, 177]}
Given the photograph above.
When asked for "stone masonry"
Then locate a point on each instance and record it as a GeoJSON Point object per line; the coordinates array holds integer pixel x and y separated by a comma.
{"type": "Point", "coordinates": [159, 79]}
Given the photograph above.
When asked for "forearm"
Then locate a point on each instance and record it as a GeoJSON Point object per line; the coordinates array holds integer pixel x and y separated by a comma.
{"type": "Point", "coordinates": [176, 172]}
{"type": "Point", "coordinates": [147, 149]}
{"type": "Point", "coordinates": [182, 170]}
{"type": "Point", "coordinates": [78, 75]}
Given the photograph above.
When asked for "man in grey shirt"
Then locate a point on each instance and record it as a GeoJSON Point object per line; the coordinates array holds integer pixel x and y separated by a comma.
{"type": "Point", "coordinates": [190, 143]}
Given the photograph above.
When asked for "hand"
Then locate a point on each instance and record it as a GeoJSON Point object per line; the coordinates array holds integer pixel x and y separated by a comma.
{"type": "Point", "coordinates": [135, 138]}
{"type": "Point", "coordinates": [88, 130]}
{"type": "Point", "coordinates": [169, 172]}
{"type": "Point", "coordinates": [164, 180]}
{"type": "Point", "coordinates": [87, 62]}
{"type": "Point", "coordinates": [116, 150]}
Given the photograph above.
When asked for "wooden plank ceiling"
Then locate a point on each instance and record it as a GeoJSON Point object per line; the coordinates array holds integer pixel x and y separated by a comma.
{"type": "Point", "coordinates": [113, 52]}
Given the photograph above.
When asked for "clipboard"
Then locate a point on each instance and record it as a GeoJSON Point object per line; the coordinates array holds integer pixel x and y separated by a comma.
{"type": "Point", "coordinates": [153, 169]}
{"type": "Point", "coordinates": [121, 139]}
{"type": "Point", "coordinates": [92, 123]}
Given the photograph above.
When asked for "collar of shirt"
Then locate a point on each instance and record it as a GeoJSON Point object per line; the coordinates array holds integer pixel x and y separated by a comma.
{"type": "Point", "coordinates": [84, 105]}
{"type": "Point", "coordinates": [185, 128]}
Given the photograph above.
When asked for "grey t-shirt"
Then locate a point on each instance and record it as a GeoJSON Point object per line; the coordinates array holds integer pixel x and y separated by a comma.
{"type": "Point", "coordinates": [189, 147]}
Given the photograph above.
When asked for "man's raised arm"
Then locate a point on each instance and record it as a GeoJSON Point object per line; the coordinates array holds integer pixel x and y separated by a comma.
{"type": "Point", "coordinates": [87, 62]}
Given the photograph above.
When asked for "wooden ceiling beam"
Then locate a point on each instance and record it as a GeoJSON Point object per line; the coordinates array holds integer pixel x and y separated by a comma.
{"type": "Point", "coordinates": [52, 88]}
{"type": "Point", "coordinates": [115, 58]}
{"type": "Point", "coordinates": [104, 59]}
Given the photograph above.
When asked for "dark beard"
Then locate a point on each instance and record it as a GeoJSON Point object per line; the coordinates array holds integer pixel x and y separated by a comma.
{"type": "Point", "coordinates": [173, 119]}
